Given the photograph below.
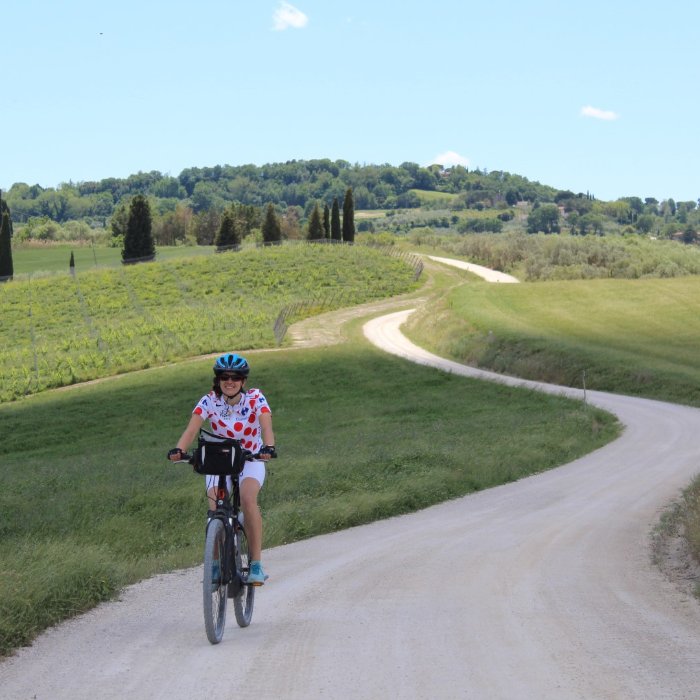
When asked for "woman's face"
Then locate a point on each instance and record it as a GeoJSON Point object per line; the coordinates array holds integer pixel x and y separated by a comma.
{"type": "Point", "coordinates": [230, 383]}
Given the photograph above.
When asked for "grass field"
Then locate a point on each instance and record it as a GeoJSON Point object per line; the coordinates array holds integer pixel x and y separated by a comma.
{"type": "Point", "coordinates": [37, 258]}
{"type": "Point", "coordinates": [635, 337]}
{"type": "Point", "coordinates": [431, 197]}
{"type": "Point", "coordinates": [88, 502]}
{"type": "Point", "coordinates": [361, 214]}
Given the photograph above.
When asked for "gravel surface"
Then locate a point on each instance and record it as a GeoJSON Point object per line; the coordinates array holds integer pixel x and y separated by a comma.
{"type": "Point", "coordinates": [541, 588]}
{"type": "Point", "coordinates": [485, 272]}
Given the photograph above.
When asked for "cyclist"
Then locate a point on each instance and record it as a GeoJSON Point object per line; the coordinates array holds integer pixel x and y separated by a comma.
{"type": "Point", "coordinates": [233, 411]}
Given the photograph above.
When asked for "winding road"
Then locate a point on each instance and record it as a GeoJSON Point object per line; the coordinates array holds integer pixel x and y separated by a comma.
{"type": "Point", "coordinates": [539, 589]}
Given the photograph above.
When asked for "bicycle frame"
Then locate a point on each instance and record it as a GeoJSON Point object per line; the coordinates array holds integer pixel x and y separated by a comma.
{"type": "Point", "coordinates": [228, 510]}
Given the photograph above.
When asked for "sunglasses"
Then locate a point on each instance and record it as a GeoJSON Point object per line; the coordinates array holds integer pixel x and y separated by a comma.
{"type": "Point", "coordinates": [230, 378]}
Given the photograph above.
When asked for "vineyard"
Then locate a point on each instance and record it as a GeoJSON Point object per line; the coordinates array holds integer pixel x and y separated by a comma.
{"type": "Point", "coordinates": [59, 330]}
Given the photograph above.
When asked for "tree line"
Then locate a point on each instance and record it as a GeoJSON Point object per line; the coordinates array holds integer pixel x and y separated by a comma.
{"type": "Point", "coordinates": [667, 219]}
{"type": "Point", "coordinates": [236, 223]}
{"type": "Point", "coordinates": [190, 207]}
{"type": "Point", "coordinates": [292, 184]}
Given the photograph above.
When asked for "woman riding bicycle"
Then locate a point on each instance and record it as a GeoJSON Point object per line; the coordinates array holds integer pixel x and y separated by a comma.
{"type": "Point", "coordinates": [244, 415]}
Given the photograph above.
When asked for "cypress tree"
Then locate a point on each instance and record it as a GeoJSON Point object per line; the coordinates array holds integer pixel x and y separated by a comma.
{"type": "Point", "coordinates": [335, 221]}
{"type": "Point", "coordinates": [348, 217]}
{"type": "Point", "coordinates": [138, 240]}
{"type": "Point", "coordinates": [71, 264]}
{"type": "Point", "coordinates": [315, 225]}
{"type": "Point", "coordinates": [4, 209]}
{"type": "Point", "coordinates": [229, 234]}
{"type": "Point", "coordinates": [6, 266]}
{"type": "Point", "coordinates": [271, 230]}
{"type": "Point", "coordinates": [326, 221]}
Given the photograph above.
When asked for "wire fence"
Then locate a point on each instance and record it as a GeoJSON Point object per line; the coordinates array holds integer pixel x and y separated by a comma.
{"type": "Point", "coordinates": [304, 308]}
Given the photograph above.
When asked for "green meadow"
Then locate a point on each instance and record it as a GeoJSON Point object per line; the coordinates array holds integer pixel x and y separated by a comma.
{"type": "Point", "coordinates": [430, 197]}
{"type": "Point", "coordinates": [637, 337]}
{"type": "Point", "coordinates": [37, 258]}
{"type": "Point", "coordinates": [89, 504]}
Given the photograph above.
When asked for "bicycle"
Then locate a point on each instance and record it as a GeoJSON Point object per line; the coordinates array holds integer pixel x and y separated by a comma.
{"type": "Point", "coordinates": [226, 558]}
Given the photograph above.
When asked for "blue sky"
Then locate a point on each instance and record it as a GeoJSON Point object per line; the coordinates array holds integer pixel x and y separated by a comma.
{"type": "Point", "coordinates": [598, 96]}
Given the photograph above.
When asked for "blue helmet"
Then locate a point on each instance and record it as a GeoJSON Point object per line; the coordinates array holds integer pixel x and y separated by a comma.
{"type": "Point", "coordinates": [230, 362]}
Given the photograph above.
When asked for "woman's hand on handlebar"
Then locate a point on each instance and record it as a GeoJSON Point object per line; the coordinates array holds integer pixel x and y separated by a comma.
{"type": "Point", "coordinates": [267, 452]}
{"type": "Point", "coordinates": [178, 455]}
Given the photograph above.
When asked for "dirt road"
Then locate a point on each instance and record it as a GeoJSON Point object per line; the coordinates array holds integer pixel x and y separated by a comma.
{"type": "Point", "coordinates": [488, 274]}
{"type": "Point", "coordinates": [538, 589]}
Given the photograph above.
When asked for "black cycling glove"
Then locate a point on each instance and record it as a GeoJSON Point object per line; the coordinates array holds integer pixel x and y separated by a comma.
{"type": "Point", "coordinates": [269, 450]}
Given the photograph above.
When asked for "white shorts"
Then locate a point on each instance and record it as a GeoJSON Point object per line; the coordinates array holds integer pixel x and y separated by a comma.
{"type": "Point", "coordinates": [251, 470]}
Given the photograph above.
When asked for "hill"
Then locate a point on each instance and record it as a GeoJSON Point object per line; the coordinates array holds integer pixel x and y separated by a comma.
{"type": "Point", "coordinates": [187, 209]}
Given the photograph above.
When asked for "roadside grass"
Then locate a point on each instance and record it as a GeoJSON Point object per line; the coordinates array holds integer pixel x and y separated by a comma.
{"type": "Point", "coordinates": [540, 257]}
{"type": "Point", "coordinates": [89, 504]}
{"type": "Point", "coordinates": [635, 337]}
{"type": "Point", "coordinates": [691, 522]}
{"type": "Point", "coordinates": [676, 539]}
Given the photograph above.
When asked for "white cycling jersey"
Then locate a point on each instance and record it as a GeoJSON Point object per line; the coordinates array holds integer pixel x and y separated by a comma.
{"type": "Point", "coordinates": [240, 421]}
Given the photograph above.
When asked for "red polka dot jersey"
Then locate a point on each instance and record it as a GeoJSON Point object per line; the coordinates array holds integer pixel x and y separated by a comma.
{"type": "Point", "coordinates": [240, 421]}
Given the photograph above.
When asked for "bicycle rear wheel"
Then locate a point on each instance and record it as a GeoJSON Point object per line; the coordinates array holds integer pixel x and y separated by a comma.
{"type": "Point", "coordinates": [245, 598]}
{"type": "Point", "coordinates": [213, 586]}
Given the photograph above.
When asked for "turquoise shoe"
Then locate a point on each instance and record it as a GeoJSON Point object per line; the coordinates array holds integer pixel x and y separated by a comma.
{"type": "Point", "coordinates": [256, 575]}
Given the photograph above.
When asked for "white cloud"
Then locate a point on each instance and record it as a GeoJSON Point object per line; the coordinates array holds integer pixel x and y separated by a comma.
{"type": "Point", "coordinates": [286, 16]}
{"type": "Point", "coordinates": [596, 113]}
{"type": "Point", "coordinates": [449, 158]}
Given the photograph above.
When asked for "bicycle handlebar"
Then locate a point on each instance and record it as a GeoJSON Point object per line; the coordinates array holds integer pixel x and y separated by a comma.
{"type": "Point", "coordinates": [187, 458]}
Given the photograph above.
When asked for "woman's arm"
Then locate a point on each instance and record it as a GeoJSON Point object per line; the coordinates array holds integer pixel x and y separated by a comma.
{"type": "Point", "coordinates": [268, 435]}
{"type": "Point", "coordinates": [190, 432]}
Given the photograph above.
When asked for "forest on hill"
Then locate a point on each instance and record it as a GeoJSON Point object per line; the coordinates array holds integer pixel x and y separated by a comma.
{"type": "Point", "coordinates": [188, 208]}
{"type": "Point", "coordinates": [295, 183]}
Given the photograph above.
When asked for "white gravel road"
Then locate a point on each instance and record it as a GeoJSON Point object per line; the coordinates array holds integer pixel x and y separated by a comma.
{"type": "Point", "coordinates": [485, 272]}
{"type": "Point", "coordinates": [539, 589]}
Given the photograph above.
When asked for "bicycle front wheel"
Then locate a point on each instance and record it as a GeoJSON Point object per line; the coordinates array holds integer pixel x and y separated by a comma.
{"type": "Point", "coordinates": [245, 598]}
{"type": "Point", "coordinates": [213, 586]}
